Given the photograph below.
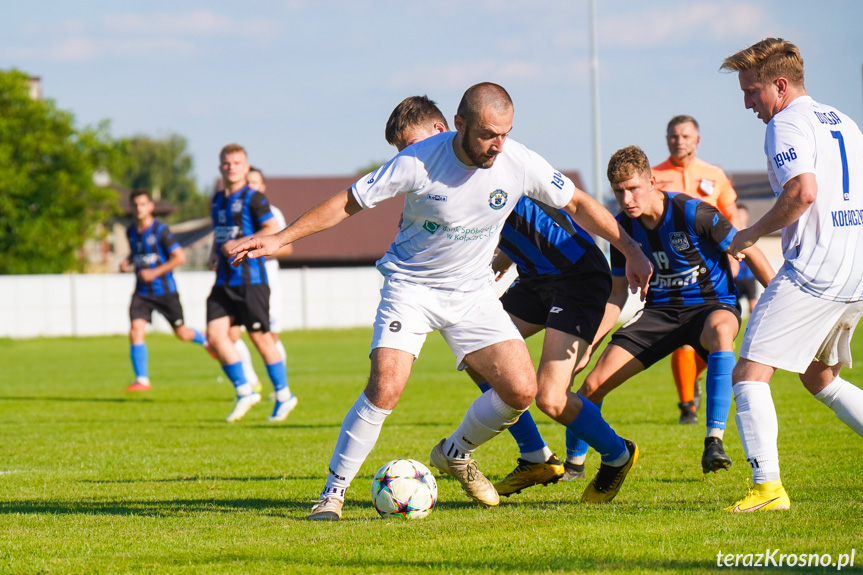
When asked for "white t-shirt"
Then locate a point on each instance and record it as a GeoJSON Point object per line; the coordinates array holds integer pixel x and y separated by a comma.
{"type": "Point", "coordinates": [822, 248]}
{"type": "Point", "coordinates": [453, 213]}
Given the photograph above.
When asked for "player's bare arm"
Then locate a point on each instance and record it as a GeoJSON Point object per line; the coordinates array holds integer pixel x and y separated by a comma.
{"type": "Point", "coordinates": [500, 265]}
{"type": "Point", "coordinates": [797, 195]}
{"type": "Point", "coordinates": [268, 228]}
{"type": "Point", "coordinates": [590, 215]}
{"type": "Point", "coordinates": [323, 216]}
{"type": "Point", "coordinates": [757, 262]}
{"type": "Point", "coordinates": [178, 258]}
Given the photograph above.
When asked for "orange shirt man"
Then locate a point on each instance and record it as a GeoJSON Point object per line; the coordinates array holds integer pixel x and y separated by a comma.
{"type": "Point", "coordinates": [684, 172]}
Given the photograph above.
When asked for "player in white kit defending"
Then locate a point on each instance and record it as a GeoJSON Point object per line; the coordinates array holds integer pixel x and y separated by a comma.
{"type": "Point", "coordinates": [804, 321]}
{"type": "Point", "coordinates": [459, 188]}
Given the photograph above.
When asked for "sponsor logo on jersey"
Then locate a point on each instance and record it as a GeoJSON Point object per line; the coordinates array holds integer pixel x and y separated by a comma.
{"type": "Point", "coordinates": [715, 219]}
{"type": "Point", "coordinates": [146, 260]}
{"type": "Point", "coordinates": [679, 241]}
{"type": "Point", "coordinates": [222, 217]}
{"type": "Point", "coordinates": [436, 198]}
{"type": "Point", "coordinates": [844, 218]}
{"type": "Point", "coordinates": [679, 280]}
{"type": "Point", "coordinates": [431, 227]}
{"type": "Point", "coordinates": [221, 234]}
{"type": "Point", "coordinates": [497, 199]}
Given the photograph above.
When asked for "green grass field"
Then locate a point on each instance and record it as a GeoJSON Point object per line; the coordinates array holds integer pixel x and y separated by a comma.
{"type": "Point", "coordinates": [95, 480]}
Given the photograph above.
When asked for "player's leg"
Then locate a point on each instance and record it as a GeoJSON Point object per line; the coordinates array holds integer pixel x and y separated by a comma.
{"type": "Point", "coordinates": [255, 315]}
{"type": "Point", "coordinates": [685, 372]}
{"type": "Point", "coordinates": [614, 366]}
{"type": "Point", "coordinates": [717, 337]}
{"type": "Point", "coordinates": [220, 308]}
{"type": "Point", "coordinates": [236, 335]}
{"type": "Point", "coordinates": [822, 378]}
{"type": "Point", "coordinates": [169, 306]}
{"type": "Point", "coordinates": [139, 355]}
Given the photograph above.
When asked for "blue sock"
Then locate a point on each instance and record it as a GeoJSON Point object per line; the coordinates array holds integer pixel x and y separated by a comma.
{"type": "Point", "coordinates": [199, 338]}
{"type": "Point", "coordinates": [719, 367]}
{"type": "Point", "coordinates": [235, 373]}
{"type": "Point", "coordinates": [278, 375]}
{"type": "Point", "coordinates": [591, 427]}
{"type": "Point", "coordinates": [524, 431]}
{"type": "Point", "coordinates": [576, 447]}
{"type": "Point", "coordinates": [140, 359]}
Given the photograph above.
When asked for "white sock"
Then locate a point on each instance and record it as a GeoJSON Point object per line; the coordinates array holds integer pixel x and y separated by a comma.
{"type": "Point", "coordinates": [358, 435]}
{"type": "Point", "coordinates": [846, 401]}
{"type": "Point", "coordinates": [758, 428]}
{"type": "Point", "coordinates": [142, 380]}
{"type": "Point", "coordinates": [487, 416]}
{"type": "Point", "coordinates": [281, 349]}
{"type": "Point", "coordinates": [246, 360]}
{"type": "Point", "coordinates": [578, 459]}
{"type": "Point", "coordinates": [715, 432]}
{"type": "Point", "coordinates": [538, 456]}
{"type": "Point", "coordinates": [244, 389]}
{"type": "Point", "coordinates": [283, 395]}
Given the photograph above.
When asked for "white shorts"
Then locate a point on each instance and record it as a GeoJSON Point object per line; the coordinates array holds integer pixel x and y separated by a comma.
{"type": "Point", "coordinates": [468, 321]}
{"type": "Point", "coordinates": [274, 280]}
{"type": "Point", "coordinates": [791, 328]}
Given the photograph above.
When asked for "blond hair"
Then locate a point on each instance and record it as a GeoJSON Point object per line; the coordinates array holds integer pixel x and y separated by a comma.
{"type": "Point", "coordinates": [769, 59]}
{"type": "Point", "coordinates": [626, 163]}
{"type": "Point", "coordinates": [232, 149]}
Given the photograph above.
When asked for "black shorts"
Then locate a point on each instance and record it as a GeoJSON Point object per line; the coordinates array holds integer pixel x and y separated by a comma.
{"type": "Point", "coordinates": [247, 305]}
{"type": "Point", "coordinates": [168, 305]}
{"type": "Point", "coordinates": [655, 332]}
{"type": "Point", "coordinates": [573, 302]}
{"type": "Point", "coordinates": [746, 288]}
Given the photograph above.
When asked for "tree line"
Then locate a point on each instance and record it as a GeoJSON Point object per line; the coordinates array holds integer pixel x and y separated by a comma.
{"type": "Point", "coordinates": [50, 203]}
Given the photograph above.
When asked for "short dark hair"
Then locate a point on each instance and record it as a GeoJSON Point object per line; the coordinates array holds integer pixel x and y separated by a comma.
{"type": "Point", "coordinates": [626, 163]}
{"type": "Point", "coordinates": [681, 119]}
{"type": "Point", "coordinates": [254, 169]}
{"type": "Point", "coordinates": [480, 96]}
{"type": "Point", "coordinates": [412, 111]}
{"type": "Point", "coordinates": [135, 193]}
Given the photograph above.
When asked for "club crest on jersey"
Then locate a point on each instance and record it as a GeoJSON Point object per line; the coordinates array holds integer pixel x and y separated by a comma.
{"type": "Point", "coordinates": [151, 240]}
{"type": "Point", "coordinates": [679, 241]}
{"type": "Point", "coordinates": [497, 199]}
{"type": "Point", "coordinates": [706, 187]}
{"type": "Point", "coordinates": [237, 206]}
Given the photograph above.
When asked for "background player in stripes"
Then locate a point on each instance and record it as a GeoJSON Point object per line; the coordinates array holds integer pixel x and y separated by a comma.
{"type": "Point", "coordinates": [692, 297]}
{"type": "Point", "coordinates": [685, 172]}
{"type": "Point", "coordinates": [458, 189]}
{"type": "Point", "coordinates": [804, 321]}
{"type": "Point", "coordinates": [154, 253]}
{"type": "Point", "coordinates": [240, 294]}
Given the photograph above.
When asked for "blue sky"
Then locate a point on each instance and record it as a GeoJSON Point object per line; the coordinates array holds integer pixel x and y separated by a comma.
{"type": "Point", "coordinates": [307, 86]}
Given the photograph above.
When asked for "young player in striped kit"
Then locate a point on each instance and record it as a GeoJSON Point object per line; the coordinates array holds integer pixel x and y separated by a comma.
{"type": "Point", "coordinates": [154, 255]}
{"type": "Point", "coordinates": [804, 321]}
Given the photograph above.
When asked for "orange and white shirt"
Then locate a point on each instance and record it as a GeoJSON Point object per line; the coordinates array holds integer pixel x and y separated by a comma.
{"type": "Point", "coordinates": [700, 180]}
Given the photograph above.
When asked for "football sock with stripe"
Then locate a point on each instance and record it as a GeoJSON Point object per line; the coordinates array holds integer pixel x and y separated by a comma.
{"type": "Point", "coordinates": [846, 401]}
{"type": "Point", "coordinates": [758, 428]}
{"type": "Point", "coordinates": [235, 374]}
{"type": "Point", "coordinates": [720, 364]}
{"type": "Point", "coordinates": [593, 429]}
{"type": "Point", "coordinates": [357, 436]}
{"type": "Point", "coordinates": [487, 416]}
{"type": "Point", "coordinates": [530, 443]}
{"type": "Point", "coordinates": [140, 361]}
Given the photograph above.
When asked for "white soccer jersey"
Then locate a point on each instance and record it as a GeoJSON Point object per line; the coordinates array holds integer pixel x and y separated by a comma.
{"type": "Point", "coordinates": [822, 248]}
{"type": "Point", "coordinates": [453, 213]}
{"type": "Point", "coordinates": [272, 264]}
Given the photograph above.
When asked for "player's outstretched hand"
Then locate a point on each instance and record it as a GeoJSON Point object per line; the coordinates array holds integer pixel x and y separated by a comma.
{"type": "Point", "coordinates": [254, 248]}
{"type": "Point", "coordinates": [638, 272]}
{"type": "Point", "coordinates": [741, 240]}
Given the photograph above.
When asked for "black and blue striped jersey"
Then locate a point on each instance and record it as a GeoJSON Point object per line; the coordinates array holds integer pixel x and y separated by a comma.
{"type": "Point", "coordinates": [152, 248]}
{"type": "Point", "coordinates": [235, 216]}
{"type": "Point", "coordinates": [687, 250]}
{"type": "Point", "coordinates": [542, 240]}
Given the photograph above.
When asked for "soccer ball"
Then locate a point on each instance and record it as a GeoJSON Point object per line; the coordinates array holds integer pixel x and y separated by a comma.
{"type": "Point", "coordinates": [404, 487]}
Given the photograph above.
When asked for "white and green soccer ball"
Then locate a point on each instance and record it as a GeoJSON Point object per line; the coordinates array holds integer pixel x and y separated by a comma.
{"type": "Point", "coordinates": [404, 487]}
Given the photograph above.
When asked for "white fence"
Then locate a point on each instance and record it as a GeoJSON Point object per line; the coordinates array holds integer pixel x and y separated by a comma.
{"type": "Point", "coordinates": [98, 304]}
